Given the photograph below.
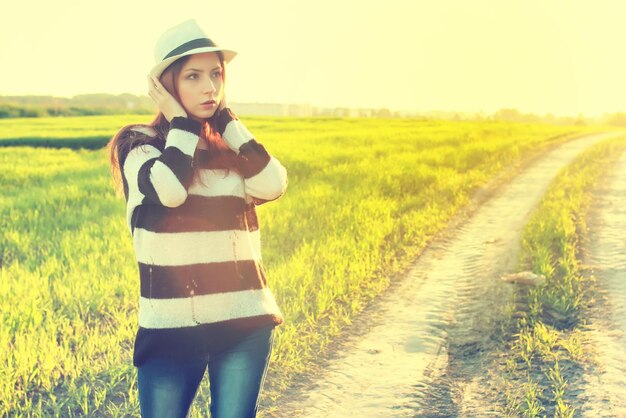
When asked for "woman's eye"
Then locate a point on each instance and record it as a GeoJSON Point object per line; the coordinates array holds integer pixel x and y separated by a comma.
{"type": "Point", "coordinates": [217, 74]}
{"type": "Point", "coordinates": [191, 75]}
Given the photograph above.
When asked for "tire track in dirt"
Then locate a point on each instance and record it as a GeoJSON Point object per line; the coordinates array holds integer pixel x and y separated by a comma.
{"type": "Point", "coordinates": [605, 259]}
{"type": "Point", "coordinates": [420, 349]}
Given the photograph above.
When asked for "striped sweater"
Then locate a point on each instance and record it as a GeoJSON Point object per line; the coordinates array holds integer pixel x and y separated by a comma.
{"type": "Point", "coordinates": [197, 239]}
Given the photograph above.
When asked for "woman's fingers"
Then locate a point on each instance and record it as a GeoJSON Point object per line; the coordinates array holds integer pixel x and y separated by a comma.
{"type": "Point", "coordinates": [154, 85]}
{"type": "Point", "coordinates": [154, 93]}
{"type": "Point", "coordinates": [151, 87]}
{"type": "Point", "coordinates": [167, 104]}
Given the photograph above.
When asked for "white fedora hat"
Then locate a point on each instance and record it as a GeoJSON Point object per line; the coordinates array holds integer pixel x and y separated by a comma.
{"type": "Point", "coordinates": [186, 38]}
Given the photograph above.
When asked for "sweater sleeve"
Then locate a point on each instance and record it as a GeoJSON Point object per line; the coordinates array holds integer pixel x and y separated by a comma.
{"type": "Point", "coordinates": [265, 177]}
{"type": "Point", "coordinates": [164, 177]}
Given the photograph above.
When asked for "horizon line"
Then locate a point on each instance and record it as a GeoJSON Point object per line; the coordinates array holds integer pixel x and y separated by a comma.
{"type": "Point", "coordinates": [360, 107]}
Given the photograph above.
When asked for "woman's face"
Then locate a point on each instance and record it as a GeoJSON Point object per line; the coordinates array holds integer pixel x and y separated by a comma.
{"type": "Point", "coordinates": [200, 80]}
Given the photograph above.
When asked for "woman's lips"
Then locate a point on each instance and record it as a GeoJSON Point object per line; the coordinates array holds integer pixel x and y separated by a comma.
{"type": "Point", "coordinates": [208, 105]}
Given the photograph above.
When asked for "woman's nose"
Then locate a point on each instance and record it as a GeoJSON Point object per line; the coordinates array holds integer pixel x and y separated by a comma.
{"type": "Point", "coordinates": [209, 86]}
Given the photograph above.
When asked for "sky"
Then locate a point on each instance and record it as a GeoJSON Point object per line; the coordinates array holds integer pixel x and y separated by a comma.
{"type": "Point", "coordinates": [565, 57]}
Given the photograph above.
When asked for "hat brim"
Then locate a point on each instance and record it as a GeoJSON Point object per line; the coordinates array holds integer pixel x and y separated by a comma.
{"type": "Point", "coordinates": [158, 69]}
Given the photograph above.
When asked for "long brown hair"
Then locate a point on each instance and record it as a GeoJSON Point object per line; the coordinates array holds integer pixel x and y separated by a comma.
{"type": "Point", "coordinates": [126, 138]}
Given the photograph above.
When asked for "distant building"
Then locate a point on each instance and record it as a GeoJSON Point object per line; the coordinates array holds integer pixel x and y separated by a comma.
{"type": "Point", "coordinates": [272, 109]}
{"type": "Point", "coordinates": [299, 110]}
{"type": "Point", "coordinates": [259, 109]}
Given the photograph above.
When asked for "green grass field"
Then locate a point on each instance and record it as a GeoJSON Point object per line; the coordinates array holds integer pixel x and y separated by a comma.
{"type": "Point", "coordinates": [364, 198]}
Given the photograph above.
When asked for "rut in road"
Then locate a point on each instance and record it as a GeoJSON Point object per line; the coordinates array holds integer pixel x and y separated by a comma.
{"type": "Point", "coordinates": [605, 257]}
{"type": "Point", "coordinates": [419, 349]}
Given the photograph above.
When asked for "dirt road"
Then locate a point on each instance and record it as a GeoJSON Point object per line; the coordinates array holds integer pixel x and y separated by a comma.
{"type": "Point", "coordinates": [605, 387]}
{"type": "Point", "coordinates": [419, 349]}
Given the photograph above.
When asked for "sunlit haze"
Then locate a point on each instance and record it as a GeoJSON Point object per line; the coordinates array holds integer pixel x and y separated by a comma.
{"type": "Point", "coordinates": [561, 57]}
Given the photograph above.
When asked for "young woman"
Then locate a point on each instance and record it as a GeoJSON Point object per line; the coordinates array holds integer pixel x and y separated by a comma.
{"type": "Point", "coordinates": [191, 180]}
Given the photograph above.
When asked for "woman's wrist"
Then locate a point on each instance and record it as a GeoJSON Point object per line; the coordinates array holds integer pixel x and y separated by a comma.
{"type": "Point", "coordinates": [186, 124]}
{"type": "Point", "coordinates": [224, 116]}
{"type": "Point", "coordinates": [179, 115]}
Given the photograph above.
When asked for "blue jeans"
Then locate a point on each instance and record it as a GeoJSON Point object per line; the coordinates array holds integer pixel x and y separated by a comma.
{"type": "Point", "coordinates": [167, 387]}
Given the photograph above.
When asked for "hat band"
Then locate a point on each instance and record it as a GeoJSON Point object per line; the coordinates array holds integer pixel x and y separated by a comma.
{"type": "Point", "coordinates": [187, 46]}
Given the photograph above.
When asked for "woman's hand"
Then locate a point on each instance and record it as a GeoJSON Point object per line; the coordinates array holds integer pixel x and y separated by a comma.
{"type": "Point", "coordinates": [167, 104]}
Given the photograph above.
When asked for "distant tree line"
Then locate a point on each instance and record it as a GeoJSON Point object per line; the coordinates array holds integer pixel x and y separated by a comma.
{"type": "Point", "coordinates": [109, 104]}
{"type": "Point", "coordinates": [514, 115]}
{"type": "Point", "coordinates": [12, 111]}
{"type": "Point", "coordinates": [81, 105]}
{"type": "Point", "coordinates": [617, 119]}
